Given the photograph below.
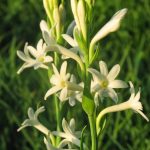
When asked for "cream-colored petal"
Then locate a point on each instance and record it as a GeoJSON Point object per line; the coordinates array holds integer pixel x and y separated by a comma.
{"type": "Point", "coordinates": [48, 59]}
{"type": "Point", "coordinates": [143, 115]}
{"type": "Point", "coordinates": [54, 80]}
{"type": "Point", "coordinates": [24, 66]}
{"type": "Point", "coordinates": [74, 87]}
{"type": "Point", "coordinates": [52, 91]}
{"type": "Point", "coordinates": [118, 84]}
{"type": "Point", "coordinates": [66, 127]}
{"type": "Point", "coordinates": [113, 72]}
{"type": "Point", "coordinates": [48, 38]}
{"type": "Point", "coordinates": [103, 68]}
{"type": "Point", "coordinates": [69, 40]}
{"type": "Point", "coordinates": [43, 66]}
{"type": "Point", "coordinates": [43, 26]}
{"type": "Point", "coordinates": [33, 51]}
{"type": "Point", "coordinates": [96, 74]}
{"type": "Point", "coordinates": [55, 71]}
{"type": "Point", "coordinates": [112, 94]}
{"type": "Point", "coordinates": [40, 46]}
{"type": "Point", "coordinates": [63, 69]}
{"type": "Point", "coordinates": [137, 96]}
{"type": "Point", "coordinates": [22, 56]}
{"type": "Point", "coordinates": [63, 94]}
{"type": "Point", "coordinates": [72, 101]}
{"type": "Point", "coordinates": [72, 124]}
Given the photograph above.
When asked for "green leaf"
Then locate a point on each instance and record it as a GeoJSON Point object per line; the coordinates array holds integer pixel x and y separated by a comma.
{"type": "Point", "coordinates": [88, 105]}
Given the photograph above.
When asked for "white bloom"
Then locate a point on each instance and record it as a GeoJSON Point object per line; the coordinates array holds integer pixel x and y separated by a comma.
{"type": "Point", "coordinates": [49, 146]}
{"type": "Point", "coordinates": [33, 120]}
{"type": "Point", "coordinates": [47, 33]}
{"type": "Point", "coordinates": [34, 57]}
{"type": "Point", "coordinates": [72, 96]}
{"type": "Point", "coordinates": [134, 102]}
{"type": "Point", "coordinates": [69, 134]}
{"type": "Point", "coordinates": [104, 82]}
{"type": "Point", "coordinates": [61, 83]}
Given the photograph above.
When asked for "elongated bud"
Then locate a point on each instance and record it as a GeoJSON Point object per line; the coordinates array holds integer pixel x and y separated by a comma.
{"type": "Point", "coordinates": [81, 16]}
{"type": "Point", "coordinates": [49, 10]}
{"type": "Point", "coordinates": [74, 11]}
{"type": "Point", "coordinates": [111, 26]}
{"type": "Point", "coordinates": [62, 13]}
{"type": "Point", "coordinates": [56, 16]}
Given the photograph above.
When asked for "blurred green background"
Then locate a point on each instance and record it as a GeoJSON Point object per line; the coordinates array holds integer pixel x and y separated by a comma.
{"type": "Point", "coordinates": [130, 47]}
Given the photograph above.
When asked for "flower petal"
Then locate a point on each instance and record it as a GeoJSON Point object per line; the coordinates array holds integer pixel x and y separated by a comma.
{"type": "Point", "coordinates": [48, 59]}
{"type": "Point", "coordinates": [55, 71]}
{"type": "Point", "coordinates": [113, 72]}
{"type": "Point", "coordinates": [72, 124]}
{"type": "Point", "coordinates": [69, 40]}
{"type": "Point", "coordinates": [33, 51]}
{"type": "Point", "coordinates": [22, 56]}
{"type": "Point", "coordinates": [103, 68]}
{"type": "Point", "coordinates": [143, 115]}
{"type": "Point", "coordinates": [112, 94]}
{"type": "Point", "coordinates": [63, 70]}
{"type": "Point", "coordinates": [74, 87]}
{"type": "Point", "coordinates": [63, 94]}
{"type": "Point", "coordinates": [66, 127]}
{"type": "Point", "coordinates": [39, 46]}
{"type": "Point", "coordinates": [52, 91]}
{"type": "Point", "coordinates": [72, 101]}
{"type": "Point", "coordinates": [96, 74]}
{"type": "Point", "coordinates": [118, 84]}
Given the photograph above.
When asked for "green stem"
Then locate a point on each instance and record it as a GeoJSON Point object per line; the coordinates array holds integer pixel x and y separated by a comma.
{"type": "Point", "coordinates": [92, 122]}
{"type": "Point", "coordinates": [58, 118]}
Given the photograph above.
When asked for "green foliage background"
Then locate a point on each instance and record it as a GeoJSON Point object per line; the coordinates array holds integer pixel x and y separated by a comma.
{"type": "Point", "coordinates": [130, 47]}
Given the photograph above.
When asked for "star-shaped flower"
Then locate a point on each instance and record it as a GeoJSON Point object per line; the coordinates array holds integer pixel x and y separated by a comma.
{"type": "Point", "coordinates": [134, 101]}
{"type": "Point", "coordinates": [74, 96]}
{"type": "Point", "coordinates": [104, 82]}
{"type": "Point", "coordinates": [33, 120]}
{"type": "Point", "coordinates": [69, 134]}
{"type": "Point", "coordinates": [32, 57]}
{"type": "Point", "coordinates": [61, 83]}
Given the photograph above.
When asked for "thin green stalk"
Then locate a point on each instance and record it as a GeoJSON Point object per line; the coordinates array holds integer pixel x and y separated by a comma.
{"type": "Point", "coordinates": [58, 118]}
{"type": "Point", "coordinates": [92, 122]}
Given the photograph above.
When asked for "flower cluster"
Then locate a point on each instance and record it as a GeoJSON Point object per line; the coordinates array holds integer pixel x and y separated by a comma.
{"type": "Point", "coordinates": [84, 83]}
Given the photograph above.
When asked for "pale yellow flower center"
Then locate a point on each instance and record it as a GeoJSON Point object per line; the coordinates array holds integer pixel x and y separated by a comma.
{"type": "Point", "coordinates": [41, 59]}
{"type": "Point", "coordinates": [104, 84]}
{"type": "Point", "coordinates": [63, 83]}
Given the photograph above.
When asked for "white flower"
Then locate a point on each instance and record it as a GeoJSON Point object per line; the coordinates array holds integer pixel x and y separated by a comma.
{"type": "Point", "coordinates": [49, 146]}
{"type": "Point", "coordinates": [69, 134]}
{"type": "Point", "coordinates": [104, 82]}
{"type": "Point", "coordinates": [33, 120]}
{"type": "Point", "coordinates": [47, 33]}
{"type": "Point", "coordinates": [61, 83]}
{"type": "Point", "coordinates": [134, 102]}
{"type": "Point", "coordinates": [72, 96]}
{"type": "Point", "coordinates": [34, 57]}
